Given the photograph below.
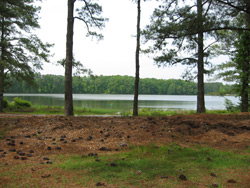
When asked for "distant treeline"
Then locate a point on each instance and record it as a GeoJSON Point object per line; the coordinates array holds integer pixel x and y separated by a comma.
{"type": "Point", "coordinates": [116, 85]}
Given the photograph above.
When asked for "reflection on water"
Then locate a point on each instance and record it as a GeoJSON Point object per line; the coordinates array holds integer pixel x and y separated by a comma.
{"type": "Point", "coordinates": [125, 102]}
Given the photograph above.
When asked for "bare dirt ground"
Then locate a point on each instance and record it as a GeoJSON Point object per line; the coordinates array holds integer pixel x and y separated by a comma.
{"type": "Point", "coordinates": [28, 139]}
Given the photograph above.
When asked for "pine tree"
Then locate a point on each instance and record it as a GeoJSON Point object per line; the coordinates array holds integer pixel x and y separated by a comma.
{"type": "Point", "coordinates": [90, 15]}
{"type": "Point", "coordinates": [21, 52]}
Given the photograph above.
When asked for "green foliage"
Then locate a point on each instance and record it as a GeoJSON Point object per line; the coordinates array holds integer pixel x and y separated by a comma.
{"type": "Point", "coordinates": [116, 85]}
{"type": "Point", "coordinates": [22, 52]}
{"type": "Point", "coordinates": [20, 103]}
{"type": "Point", "coordinates": [230, 106]}
{"type": "Point", "coordinates": [5, 103]}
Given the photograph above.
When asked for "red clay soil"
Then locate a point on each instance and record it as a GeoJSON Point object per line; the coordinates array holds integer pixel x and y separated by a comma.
{"type": "Point", "coordinates": [28, 139]}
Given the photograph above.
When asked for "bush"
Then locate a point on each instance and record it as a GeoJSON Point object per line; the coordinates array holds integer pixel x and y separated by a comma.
{"type": "Point", "coordinates": [20, 103]}
{"type": "Point", "coordinates": [230, 106]}
{"type": "Point", "coordinates": [5, 103]}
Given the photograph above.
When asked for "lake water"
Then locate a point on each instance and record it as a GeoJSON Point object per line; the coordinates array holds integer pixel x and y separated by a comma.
{"type": "Point", "coordinates": [125, 102]}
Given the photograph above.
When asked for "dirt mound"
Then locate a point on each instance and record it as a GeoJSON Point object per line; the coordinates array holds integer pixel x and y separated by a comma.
{"type": "Point", "coordinates": [33, 138]}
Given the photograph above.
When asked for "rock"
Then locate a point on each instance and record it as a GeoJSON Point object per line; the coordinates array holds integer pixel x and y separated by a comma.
{"type": "Point", "coordinates": [11, 144]}
{"type": "Point", "coordinates": [49, 162]}
{"type": "Point", "coordinates": [113, 164]}
{"type": "Point", "coordinates": [214, 185]}
{"type": "Point", "coordinates": [12, 150]}
{"type": "Point", "coordinates": [24, 158]}
{"type": "Point", "coordinates": [104, 149]}
{"type": "Point", "coordinates": [27, 136]}
{"type": "Point", "coordinates": [212, 174]}
{"type": "Point", "coordinates": [208, 159]}
{"type": "Point", "coordinates": [74, 140]}
{"type": "Point", "coordinates": [231, 181]}
{"type": "Point", "coordinates": [21, 143]}
{"type": "Point", "coordinates": [16, 157]}
{"type": "Point", "coordinates": [99, 184]}
{"type": "Point", "coordinates": [128, 136]}
{"type": "Point", "coordinates": [80, 138]}
{"type": "Point", "coordinates": [46, 158]}
{"type": "Point", "coordinates": [21, 154]}
{"type": "Point", "coordinates": [1, 150]}
{"type": "Point", "coordinates": [92, 154]}
{"type": "Point", "coordinates": [98, 160]}
{"type": "Point", "coordinates": [138, 172]}
{"type": "Point", "coordinates": [89, 138]}
{"type": "Point", "coordinates": [58, 148]}
{"type": "Point", "coordinates": [182, 177]}
{"type": "Point", "coordinates": [31, 151]}
{"type": "Point", "coordinates": [46, 176]}
{"type": "Point", "coordinates": [164, 177]}
{"type": "Point", "coordinates": [61, 139]}
{"type": "Point", "coordinates": [29, 155]}
{"type": "Point", "coordinates": [49, 148]}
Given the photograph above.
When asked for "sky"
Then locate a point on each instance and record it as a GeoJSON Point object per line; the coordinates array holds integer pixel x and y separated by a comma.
{"type": "Point", "coordinates": [115, 54]}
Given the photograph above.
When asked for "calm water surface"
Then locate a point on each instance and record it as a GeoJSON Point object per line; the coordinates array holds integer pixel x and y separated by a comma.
{"type": "Point", "coordinates": [125, 102]}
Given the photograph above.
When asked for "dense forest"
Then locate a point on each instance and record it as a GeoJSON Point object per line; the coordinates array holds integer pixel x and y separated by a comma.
{"type": "Point", "coordinates": [115, 85]}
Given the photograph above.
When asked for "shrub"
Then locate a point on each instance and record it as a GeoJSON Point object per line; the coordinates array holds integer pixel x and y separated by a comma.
{"type": "Point", "coordinates": [5, 103]}
{"type": "Point", "coordinates": [20, 103]}
{"type": "Point", "coordinates": [230, 106]}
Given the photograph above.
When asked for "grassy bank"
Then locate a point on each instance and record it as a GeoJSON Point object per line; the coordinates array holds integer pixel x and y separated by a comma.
{"type": "Point", "coordinates": [144, 166]}
{"type": "Point", "coordinates": [59, 110]}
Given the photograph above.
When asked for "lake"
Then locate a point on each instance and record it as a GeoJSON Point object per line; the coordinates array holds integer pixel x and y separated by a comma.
{"type": "Point", "coordinates": [125, 102]}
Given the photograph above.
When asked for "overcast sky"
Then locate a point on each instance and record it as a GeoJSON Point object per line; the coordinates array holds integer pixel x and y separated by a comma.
{"type": "Point", "coordinates": [115, 55]}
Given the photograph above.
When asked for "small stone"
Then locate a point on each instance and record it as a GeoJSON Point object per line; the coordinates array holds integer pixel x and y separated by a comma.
{"type": "Point", "coordinates": [21, 154]}
{"type": "Point", "coordinates": [74, 140]}
{"type": "Point", "coordinates": [92, 154]}
{"type": "Point", "coordinates": [27, 136]}
{"type": "Point", "coordinates": [49, 162]}
{"type": "Point", "coordinates": [212, 174]}
{"type": "Point", "coordinates": [80, 138]}
{"type": "Point", "coordinates": [89, 138]}
{"type": "Point", "coordinates": [31, 151]}
{"type": "Point", "coordinates": [102, 140]}
{"type": "Point", "coordinates": [46, 176]}
{"type": "Point", "coordinates": [12, 150]}
{"type": "Point", "coordinates": [99, 184]}
{"type": "Point", "coordinates": [53, 139]}
{"type": "Point", "coordinates": [128, 136]}
{"type": "Point", "coordinates": [1, 150]}
{"type": "Point", "coordinates": [11, 144]}
{"type": "Point", "coordinates": [164, 177]}
{"type": "Point", "coordinates": [63, 136]}
{"type": "Point", "coordinates": [183, 177]}
{"type": "Point", "coordinates": [58, 148]}
{"type": "Point", "coordinates": [138, 172]}
{"type": "Point", "coordinates": [98, 160]}
{"type": "Point", "coordinates": [61, 139]}
{"type": "Point", "coordinates": [24, 158]}
{"type": "Point", "coordinates": [21, 143]}
{"type": "Point", "coordinates": [49, 148]}
{"type": "Point", "coordinates": [214, 185]}
{"type": "Point", "coordinates": [16, 157]}
{"type": "Point", "coordinates": [29, 155]}
{"type": "Point", "coordinates": [65, 142]}
{"type": "Point", "coordinates": [231, 181]}
{"type": "Point", "coordinates": [113, 164]}
{"type": "Point", "coordinates": [46, 158]}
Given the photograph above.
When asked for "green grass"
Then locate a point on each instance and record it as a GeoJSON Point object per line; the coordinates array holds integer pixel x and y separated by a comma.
{"type": "Point", "coordinates": [157, 162]}
{"type": "Point", "coordinates": [59, 110]}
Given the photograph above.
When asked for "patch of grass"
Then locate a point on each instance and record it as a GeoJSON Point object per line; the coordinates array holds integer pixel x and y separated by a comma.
{"type": "Point", "coordinates": [156, 162]}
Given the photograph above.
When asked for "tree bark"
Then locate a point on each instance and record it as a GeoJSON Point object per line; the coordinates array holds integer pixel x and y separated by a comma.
{"type": "Point", "coordinates": [200, 94]}
{"type": "Point", "coordinates": [69, 111]}
{"type": "Point", "coordinates": [2, 75]}
{"type": "Point", "coordinates": [137, 60]}
{"type": "Point", "coordinates": [246, 71]}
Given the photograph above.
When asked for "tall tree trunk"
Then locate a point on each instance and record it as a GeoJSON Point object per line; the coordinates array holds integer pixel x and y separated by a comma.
{"type": "Point", "coordinates": [2, 76]}
{"type": "Point", "coordinates": [245, 87]}
{"type": "Point", "coordinates": [1, 87]}
{"type": "Point", "coordinates": [200, 94]}
{"type": "Point", "coordinates": [69, 111]}
{"type": "Point", "coordinates": [246, 71]}
{"type": "Point", "coordinates": [137, 61]}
